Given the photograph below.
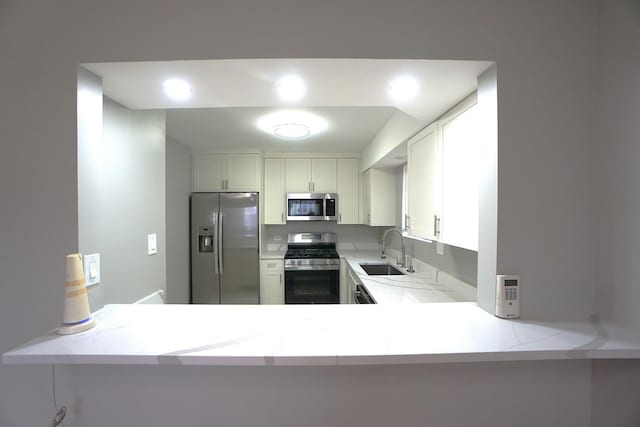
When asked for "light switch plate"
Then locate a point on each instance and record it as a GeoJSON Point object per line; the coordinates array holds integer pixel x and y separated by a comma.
{"type": "Point", "coordinates": [152, 244]}
{"type": "Point", "coordinates": [91, 269]}
{"type": "Point", "coordinates": [440, 248]}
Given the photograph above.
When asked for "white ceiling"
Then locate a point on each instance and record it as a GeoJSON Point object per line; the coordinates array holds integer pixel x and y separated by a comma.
{"type": "Point", "coordinates": [351, 129]}
{"type": "Point", "coordinates": [229, 95]}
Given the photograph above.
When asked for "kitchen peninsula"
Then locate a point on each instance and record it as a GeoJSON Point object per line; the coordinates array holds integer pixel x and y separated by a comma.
{"type": "Point", "coordinates": [292, 335]}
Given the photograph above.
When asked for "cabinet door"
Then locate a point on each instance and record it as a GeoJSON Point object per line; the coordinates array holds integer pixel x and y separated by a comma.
{"type": "Point", "coordinates": [423, 183]}
{"type": "Point", "coordinates": [352, 283]}
{"type": "Point", "coordinates": [382, 198]}
{"type": "Point", "coordinates": [348, 185]}
{"type": "Point", "coordinates": [271, 282]}
{"type": "Point", "coordinates": [323, 176]}
{"type": "Point", "coordinates": [274, 199]}
{"type": "Point", "coordinates": [459, 136]}
{"type": "Point", "coordinates": [366, 199]}
{"type": "Point", "coordinates": [298, 175]}
{"type": "Point", "coordinates": [243, 172]}
{"type": "Point", "coordinates": [209, 172]}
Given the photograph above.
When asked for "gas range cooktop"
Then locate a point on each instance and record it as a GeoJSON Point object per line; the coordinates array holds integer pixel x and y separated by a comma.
{"type": "Point", "coordinates": [303, 253]}
{"type": "Point", "coordinates": [312, 251]}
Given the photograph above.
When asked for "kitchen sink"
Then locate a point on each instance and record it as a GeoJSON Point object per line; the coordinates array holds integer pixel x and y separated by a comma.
{"type": "Point", "coordinates": [380, 270]}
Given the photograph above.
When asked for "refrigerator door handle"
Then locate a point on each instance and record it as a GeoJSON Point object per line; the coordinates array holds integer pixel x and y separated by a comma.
{"type": "Point", "coordinates": [220, 243]}
{"type": "Point", "coordinates": [215, 243]}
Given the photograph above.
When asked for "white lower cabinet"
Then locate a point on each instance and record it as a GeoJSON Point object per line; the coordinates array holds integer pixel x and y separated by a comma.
{"type": "Point", "coordinates": [352, 281]}
{"type": "Point", "coordinates": [272, 281]}
{"type": "Point", "coordinates": [344, 289]}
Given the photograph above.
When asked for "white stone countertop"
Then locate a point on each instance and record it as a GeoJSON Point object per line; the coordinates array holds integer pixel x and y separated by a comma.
{"type": "Point", "coordinates": [426, 285]}
{"type": "Point", "coordinates": [272, 254]}
{"type": "Point", "coordinates": [289, 335]}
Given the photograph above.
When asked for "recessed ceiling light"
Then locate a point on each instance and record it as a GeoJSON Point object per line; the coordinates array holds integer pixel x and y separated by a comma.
{"type": "Point", "coordinates": [292, 124]}
{"type": "Point", "coordinates": [291, 88]}
{"type": "Point", "coordinates": [403, 88]}
{"type": "Point", "coordinates": [177, 89]}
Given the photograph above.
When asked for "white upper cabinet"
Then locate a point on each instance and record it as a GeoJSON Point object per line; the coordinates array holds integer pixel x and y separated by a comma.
{"type": "Point", "coordinates": [423, 183]}
{"type": "Point", "coordinates": [273, 200]}
{"type": "Point", "coordinates": [348, 186]}
{"type": "Point", "coordinates": [298, 175]}
{"type": "Point", "coordinates": [323, 176]}
{"type": "Point", "coordinates": [459, 133]}
{"type": "Point", "coordinates": [442, 179]}
{"type": "Point", "coordinates": [379, 187]}
{"type": "Point", "coordinates": [209, 172]}
{"type": "Point", "coordinates": [226, 172]}
{"type": "Point", "coordinates": [243, 172]}
{"type": "Point", "coordinates": [311, 175]}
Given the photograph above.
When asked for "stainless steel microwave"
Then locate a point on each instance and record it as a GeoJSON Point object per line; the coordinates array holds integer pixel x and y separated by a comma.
{"type": "Point", "coordinates": [312, 207]}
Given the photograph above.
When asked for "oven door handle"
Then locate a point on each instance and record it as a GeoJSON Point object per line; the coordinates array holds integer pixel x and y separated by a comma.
{"type": "Point", "coordinates": [312, 268]}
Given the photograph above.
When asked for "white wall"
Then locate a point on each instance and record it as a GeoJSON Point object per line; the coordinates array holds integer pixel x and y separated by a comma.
{"type": "Point", "coordinates": [178, 188]}
{"type": "Point", "coordinates": [618, 164]}
{"type": "Point", "coordinates": [121, 199]}
{"type": "Point", "coordinates": [466, 394]}
{"type": "Point", "coordinates": [545, 54]}
{"type": "Point", "coordinates": [488, 190]}
{"type": "Point", "coordinates": [398, 128]}
{"type": "Point", "coordinates": [616, 384]}
{"type": "Point", "coordinates": [275, 236]}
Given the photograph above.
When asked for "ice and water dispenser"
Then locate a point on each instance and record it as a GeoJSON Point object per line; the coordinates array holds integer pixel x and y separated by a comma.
{"type": "Point", "coordinates": [205, 239]}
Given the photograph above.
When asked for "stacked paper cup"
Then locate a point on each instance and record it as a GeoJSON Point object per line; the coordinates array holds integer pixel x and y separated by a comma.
{"type": "Point", "coordinates": [77, 316]}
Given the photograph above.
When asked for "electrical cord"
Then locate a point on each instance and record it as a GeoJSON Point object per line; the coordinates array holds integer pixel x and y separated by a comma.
{"type": "Point", "coordinates": [62, 412]}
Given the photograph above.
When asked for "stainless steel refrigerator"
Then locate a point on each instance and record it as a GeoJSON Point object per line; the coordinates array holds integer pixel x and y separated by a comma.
{"type": "Point", "coordinates": [224, 248]}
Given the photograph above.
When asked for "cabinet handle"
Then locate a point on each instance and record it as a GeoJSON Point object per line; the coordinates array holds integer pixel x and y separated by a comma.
{"type": "Point", "coordinates": [369, 219]}
{"type": "Point", "coordinates": [436, 226]}
{"type": "Point", "coordinates": [313, 186]}
{"type": "Point", "coordinates": [407, 219]}
{"type": "Point", "coordinates": [282, 217]}
{"type": "Point", "coordinates": [222, 184]}
{"type": "Point", "coordinates": [226, 184]}
{"type": "Point", "coordinates": [340, 217]}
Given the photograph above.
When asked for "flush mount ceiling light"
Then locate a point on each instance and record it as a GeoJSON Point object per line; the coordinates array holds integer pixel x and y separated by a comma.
{"type": "Point", "coordinates": [292, 124]}
{"type": "Point", "coordinates": [291, 130]}
{"type": "Point", "coordinates": [403, 88]}
{"type": "Point", "coordinates": [177, 89]}
{"type": "Point", "coordinates": [291, 88]}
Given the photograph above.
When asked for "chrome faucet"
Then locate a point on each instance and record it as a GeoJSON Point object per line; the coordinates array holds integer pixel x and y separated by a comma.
{"type": "Point", "coordinates": [384, 237]}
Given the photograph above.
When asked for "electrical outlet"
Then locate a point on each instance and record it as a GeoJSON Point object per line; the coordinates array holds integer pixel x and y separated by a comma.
{"type": "Point", "coordinates": [91, 269]}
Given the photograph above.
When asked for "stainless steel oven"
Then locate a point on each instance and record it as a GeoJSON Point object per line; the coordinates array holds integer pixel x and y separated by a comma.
{"type": "Point", "coordinates": [312, 207]}
{"type": "Point", "coordinates": [312, 286]}
{"type": "Point", "coordinates": [311, 269]}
